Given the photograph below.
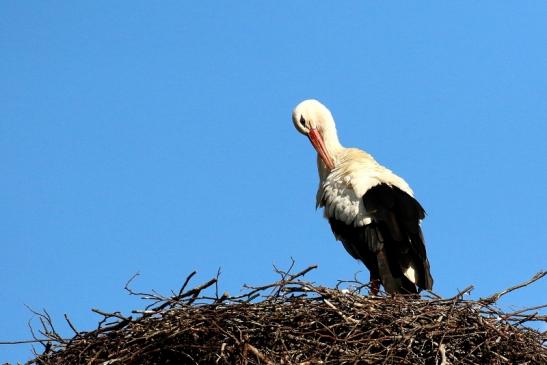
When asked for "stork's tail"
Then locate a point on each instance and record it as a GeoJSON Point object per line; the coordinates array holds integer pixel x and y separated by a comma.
{"type": "Point", "coordinates": [393, 284]}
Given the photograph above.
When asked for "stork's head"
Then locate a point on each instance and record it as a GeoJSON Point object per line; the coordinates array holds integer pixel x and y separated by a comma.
{"type": "Point", "coordinates": [314, 120]}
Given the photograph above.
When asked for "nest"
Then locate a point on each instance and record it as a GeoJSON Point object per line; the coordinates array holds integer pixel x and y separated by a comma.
{"type": "Point", "coordinates": [293, 321]}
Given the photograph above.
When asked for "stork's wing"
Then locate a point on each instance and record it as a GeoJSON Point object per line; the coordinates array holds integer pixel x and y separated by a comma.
{"type": "Point", "coordinates": [396, 237]}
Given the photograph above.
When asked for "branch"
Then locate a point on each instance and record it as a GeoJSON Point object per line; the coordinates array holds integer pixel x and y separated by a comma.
{"type": "Point", "coordinates": [494, 298]}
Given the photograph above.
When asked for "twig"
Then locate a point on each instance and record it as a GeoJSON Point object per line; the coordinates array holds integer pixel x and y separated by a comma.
{"type": "Point", "coordinates": [183, 287]}
{"type": "Point", "coordinates": [20, 342]}
{"type": "Point", "coordinates": [109, 315]}
{"type": "Point", "coordinates": [76, 333]}
{"type": "Point", "coordinates": [495, 297]}
{"type": "Point", "coordinates": [282, 283]}
{"type": "Point", "coordinates": [442, 349]}
{"type": "Point", "coordinates": [516, 313]}
{"type": "Point", "coordinates": [258, 354]}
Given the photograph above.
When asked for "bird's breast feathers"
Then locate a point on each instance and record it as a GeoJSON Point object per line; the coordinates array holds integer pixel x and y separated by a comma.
{"type": "Point", "coordinates": [341, 191]}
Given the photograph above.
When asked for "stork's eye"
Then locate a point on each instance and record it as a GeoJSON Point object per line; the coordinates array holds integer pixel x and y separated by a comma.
{"type": "Point", "coordinates": [302, 121]}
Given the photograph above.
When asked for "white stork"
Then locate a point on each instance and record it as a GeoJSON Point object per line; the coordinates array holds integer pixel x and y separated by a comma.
{"type": "Point", "coordinates": [371, 210]}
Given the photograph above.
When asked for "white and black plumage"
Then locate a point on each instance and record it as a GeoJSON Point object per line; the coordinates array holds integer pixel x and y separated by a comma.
{"type": "Point", "coordinates": [371, 210]}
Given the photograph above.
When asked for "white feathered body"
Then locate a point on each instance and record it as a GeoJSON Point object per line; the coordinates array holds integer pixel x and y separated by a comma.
{"type": "Point", "coordinates": [341, 190]}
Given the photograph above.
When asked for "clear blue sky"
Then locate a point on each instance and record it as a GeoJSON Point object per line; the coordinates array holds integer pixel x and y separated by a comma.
{"type": "Point", "coordinates": [156, 137]}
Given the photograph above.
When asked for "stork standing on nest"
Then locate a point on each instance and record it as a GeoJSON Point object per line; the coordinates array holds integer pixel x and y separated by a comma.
{"type": "Point", "coordinates": [371, 210]}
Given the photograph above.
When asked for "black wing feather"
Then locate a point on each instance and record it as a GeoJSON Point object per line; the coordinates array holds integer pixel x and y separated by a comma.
{"type": "Point", "coordinates": [398, 214]}
{"type": "Point", "coordinates": [391, 242]}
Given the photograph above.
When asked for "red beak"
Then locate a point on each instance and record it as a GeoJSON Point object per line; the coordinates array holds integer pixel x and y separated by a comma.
{"type": "Point", "coordinates": [317, 142]}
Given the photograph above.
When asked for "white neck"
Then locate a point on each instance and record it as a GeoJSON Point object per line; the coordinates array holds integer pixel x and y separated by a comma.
{"type": "Point", "coordinates": [330, 138]}
{"type": "Point", "coordinates": [333, 146]}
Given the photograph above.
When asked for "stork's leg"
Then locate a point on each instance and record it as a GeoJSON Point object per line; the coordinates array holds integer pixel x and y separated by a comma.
{"type": "Point", "coordinates": [374, 286]}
